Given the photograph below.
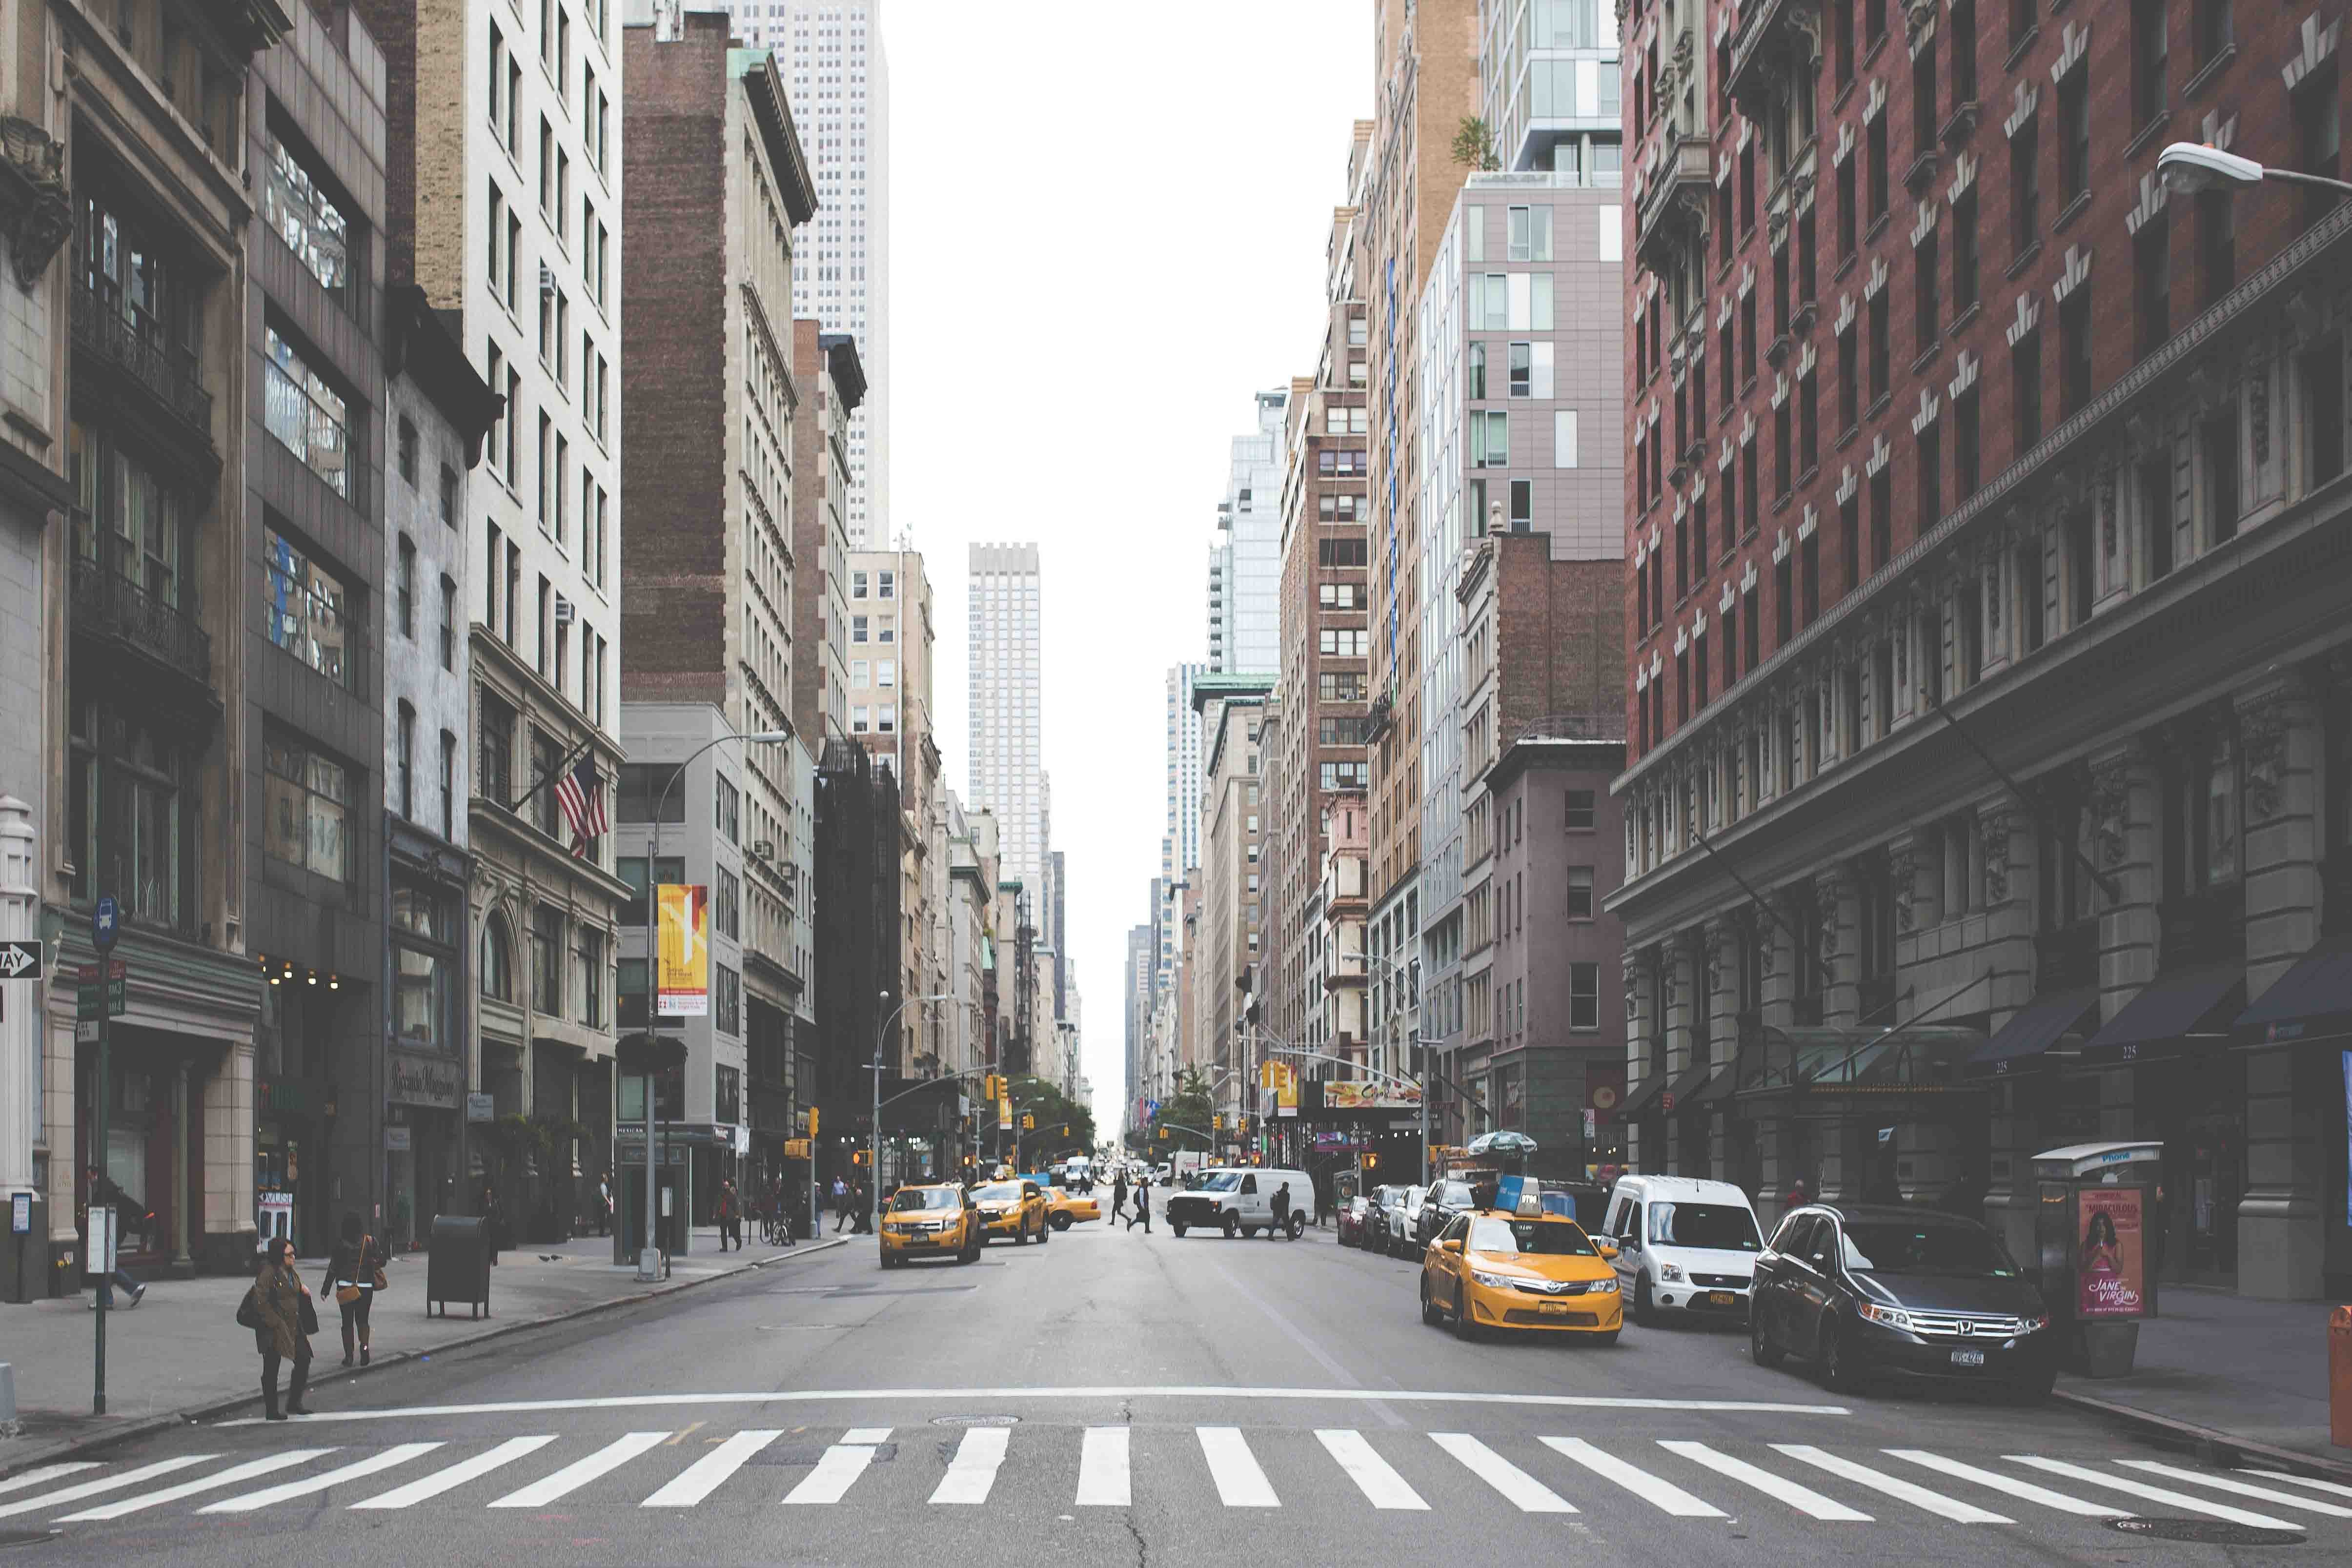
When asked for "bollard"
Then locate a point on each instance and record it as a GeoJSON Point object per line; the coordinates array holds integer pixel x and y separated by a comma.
{"type": "Point", "coordinates": [2339, 1377]}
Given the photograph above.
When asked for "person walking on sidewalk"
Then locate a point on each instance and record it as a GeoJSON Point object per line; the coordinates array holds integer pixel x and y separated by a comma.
{"type": "Point", "coordinates": [277, 1301]}
{"type": "Point", "coordinates": [1118, 1193]}
{"type": "Point", "coordinates": [731, 1216]}
{"type": "Point", "coordinates": [353, 1270]}
{"type": "Point", "coordinates": [103, 1192]}
{"type": "Point", "coordinates": [605, 1204]}
{"type": "Point", "coordinates": [1142, 1210]}
{"type": "Point", "coordinates": [840, 1204]}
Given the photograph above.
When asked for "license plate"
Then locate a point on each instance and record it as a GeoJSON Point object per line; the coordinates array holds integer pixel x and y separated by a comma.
{"type": "Point", "coordinates": [1552, 1306]}
{"type": "Point", "coordinates": [1722, 1297]}
{"type": "Point", "coordinates": [1967, 1358]}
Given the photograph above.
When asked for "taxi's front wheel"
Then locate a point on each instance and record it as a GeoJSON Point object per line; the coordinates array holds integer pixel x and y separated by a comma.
{"type": "Point", "coordinates": [1044, 1232]}
{"type": "Point", "coordinates": [1020, 1235]}
{"type": "Point", "coordinates": [1429, 1312]}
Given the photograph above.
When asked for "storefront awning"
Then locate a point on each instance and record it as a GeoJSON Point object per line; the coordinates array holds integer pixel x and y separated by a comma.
{"type": "Point", "coordinates": [2174, 1012]}
{"type": "Point", "coordinates": [1857, 1060]}
{"type": "Point", "coordinates": [1718, 1087]}
{"type": "Point", "coordinates": [2312, 1001]}
{"type": "Point", "coordinates": [1680, 1092]}
{"type": "Point", "coordinates": [1642, 1096]}
{"type": "Point", "coordinates": [2027, 1038]}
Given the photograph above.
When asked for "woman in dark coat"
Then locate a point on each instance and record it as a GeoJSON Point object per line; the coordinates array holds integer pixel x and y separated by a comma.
{"type": "Point", "coordinates": [278, 1295]}
{"type": "Point", "coordinates": [353, 1266]}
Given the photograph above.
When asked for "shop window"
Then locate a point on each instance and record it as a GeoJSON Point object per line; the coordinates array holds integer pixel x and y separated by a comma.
{"type": "Point", "coordinates": [308, 810]}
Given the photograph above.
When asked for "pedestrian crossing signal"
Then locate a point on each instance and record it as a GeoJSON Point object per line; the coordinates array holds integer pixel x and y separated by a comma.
{"type": "Point", "coordinates": [861, 1157]}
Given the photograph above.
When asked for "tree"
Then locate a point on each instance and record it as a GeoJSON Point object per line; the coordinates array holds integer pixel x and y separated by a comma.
{"type": "Point", "coordinates": [1064, 1126]}
{"type": "Point", "coordinates": [1185, 1114]}
{"type": "Point", "coordinates": [1473, 145]}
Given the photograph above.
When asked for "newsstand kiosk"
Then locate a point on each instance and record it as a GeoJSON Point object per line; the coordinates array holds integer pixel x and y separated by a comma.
{"type": "Point", "coordinates": [2091, 1232]}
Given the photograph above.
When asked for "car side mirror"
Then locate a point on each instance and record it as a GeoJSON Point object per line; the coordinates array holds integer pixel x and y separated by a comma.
{"type": "Point", "coordinates": [1607, 1251]}
{"type": "Point", "coordinates": [1455, 1246]}
{"type": "Point", "coordinates": [1822, 1261]}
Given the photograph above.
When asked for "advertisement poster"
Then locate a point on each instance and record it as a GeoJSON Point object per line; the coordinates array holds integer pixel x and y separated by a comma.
{"type": "Point", "coordinates": [685, 931]}
{"type": "Point", "coordinates": [1285, 1089]}
{"type": "Point", "coordinates": [1355, 1094]}
{"type": "Point", "coordinates": [2109, 1281]}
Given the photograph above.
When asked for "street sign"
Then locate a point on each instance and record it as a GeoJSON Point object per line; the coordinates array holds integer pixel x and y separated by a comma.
{"type": "Point", "coordinates": [398, 1139]}
{"type": "Point", "coordinates": [482, 1107]}
{"type": "Point", "coordinates": [20, 1214]}
{"type": "Point", "coordinates": [102, 925]}
{"type": "Point", "coordinates": [20, 961]}
{"type": "Point", "coordinates": [109, 995]}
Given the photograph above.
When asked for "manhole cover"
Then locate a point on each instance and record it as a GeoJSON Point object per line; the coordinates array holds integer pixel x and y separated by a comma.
{"type": "Point", "coordinates": [26, 1537]}
{"type": "Point", "coordinates": [975, 1420]}
{"type": "Point", "coordinates": [2209, 1532]}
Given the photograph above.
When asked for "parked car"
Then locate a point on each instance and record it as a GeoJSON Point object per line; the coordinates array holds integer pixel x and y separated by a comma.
{"type": "Point", "coordinates": [1685, 1244]}
{"type": "Point", "coordinates": [1865, 1290]}
{"type": "Point", "coordinates": [1404, 1225]}
{"type": "Point", "coordinates": [1446, 1200]}
{"type": "Point", "coordinates": [1355, 1220]}
{"type": "Point", "coordinates": [1381, 1225]}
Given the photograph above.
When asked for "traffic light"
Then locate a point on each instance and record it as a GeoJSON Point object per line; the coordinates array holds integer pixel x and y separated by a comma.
{"type": "Point", "coordinates": [1163, 1135]}
{"type": "Point", "coordinates": [812, 1121]}
{"type": "Point", "coordinates": [1217, 1122]}
{"type": "Point", "coordinates": [1372, 1161]}
{"type": "Point", "coordinates": [861, 1157]}
{"type": "Point", "coordinates": [1028, 1122]}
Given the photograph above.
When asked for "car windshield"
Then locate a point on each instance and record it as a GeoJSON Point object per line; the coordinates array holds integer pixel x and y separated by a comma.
{"type": "Point", "coordinates": [1002, 1193]}
{"type": "Point", "coordinates": [1542, 1237]}
{"type": "Point", "coordinates": [1223, 1182]}
{"type": "Point", "coordinates": [1726, 1226]}
{"type": "Point", "coordinates": [911, 1199]}
{"type": "Point", "coordinates": [1959, 1251]}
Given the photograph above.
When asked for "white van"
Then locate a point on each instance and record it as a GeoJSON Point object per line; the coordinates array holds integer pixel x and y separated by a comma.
{"type": "Point", "coordinates": [1683, 1245]}
{"type": "Point", "coordinates": [1239, 1200]}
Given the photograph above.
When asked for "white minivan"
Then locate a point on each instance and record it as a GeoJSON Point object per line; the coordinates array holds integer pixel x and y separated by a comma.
{"type": "Point", "coordinates": [1683, 1245]}
{"type": "Point", "coordinates": [1239, 1200]}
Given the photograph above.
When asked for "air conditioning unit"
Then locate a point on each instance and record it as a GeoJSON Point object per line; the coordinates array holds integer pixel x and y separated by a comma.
{"type": "Point", "coordinates": [763, 849]}
{"type": "Point", "coordinates": [546, 279]}
{"type": "Point", "coordinates": [566, 612]}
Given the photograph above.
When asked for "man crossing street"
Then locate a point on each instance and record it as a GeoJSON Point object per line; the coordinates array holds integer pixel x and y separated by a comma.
{"type": "Point", "coordinates": [1142, 1210]}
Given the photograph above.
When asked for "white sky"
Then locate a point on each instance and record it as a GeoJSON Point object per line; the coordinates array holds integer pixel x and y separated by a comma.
{"type": "Point", "coordinates": [1107, 221]}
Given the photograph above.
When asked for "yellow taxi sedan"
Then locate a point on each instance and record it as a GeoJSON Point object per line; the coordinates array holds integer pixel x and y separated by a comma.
{"type": "Point", "coordinates": [1017, 1209]}
{"type": "Point", "coordinates": [931, 1222]}
{"type": "Point", "coordinates": [1494, 1268]}
{"type": "Point", "coordinates": [1064, 1208]}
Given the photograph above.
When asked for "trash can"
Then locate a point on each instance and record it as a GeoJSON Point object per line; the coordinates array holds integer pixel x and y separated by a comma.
{"type": "Point", "coordinates": [457, 1268]}
{"type": "Point", "coordinates": [2091, 1232]}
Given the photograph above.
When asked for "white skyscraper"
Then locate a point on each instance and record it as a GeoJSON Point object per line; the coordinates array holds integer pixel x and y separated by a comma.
{"type": "Point", "coordinates": [838, 78]}
{"type": "Point", "coordinates": [1005, 707]}
{"type": "Point", "coordinates": [1245, 560]}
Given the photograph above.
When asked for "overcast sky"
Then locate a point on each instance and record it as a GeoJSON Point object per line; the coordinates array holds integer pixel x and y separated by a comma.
{"type": "Point", "coordinates": [1107, 222]}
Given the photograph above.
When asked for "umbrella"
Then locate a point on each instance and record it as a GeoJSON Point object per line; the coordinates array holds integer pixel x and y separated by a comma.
{"type": "Point", "coordinates": [1505, 1144]}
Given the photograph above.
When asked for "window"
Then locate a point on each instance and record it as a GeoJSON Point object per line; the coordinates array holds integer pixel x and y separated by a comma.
{"type": "Point", "coordinates": [297, 207]}
{"type": "Point", "coordinates": [1848, 205]}
{"type": "Point", "coordinates": [886, 582]}
{"type": "Point", "coordinates": [631, 868]}
{"type": "Point", "coordinates": [2152, 283]}
{"type": "Point", "coordinates": [405, 762]}
{"type": "Point", "coordinates": [1882, 347]}
{"type": "Point", "coordinates": [1967, 446]}
{"type": "Point", "coordinates": [1341, 686]}
{"type": "Point", "coordinates": [2082, 580]}
{"type": "Point", "coordinates": [1965, 254]}
{"type": "Point", "coordinates": [1931, 478]}
{"type": "Point", "coordinates": [592, 977]}
{"type": "Point", "coordinates": [726, 1000]}
{"type": "Point", "coordinates": [547, 960]}
{"type": "Point", "coordinates": [1344, 775]}
{"type": "Point", "coordinates": [860, 719]}
{"type": "Point", "coordinates": [494, 769]}
{"type": "Point", "coordinates": [1926, 297]}
{"type": "Point", "coordinates": [2318, 136]}
{"type": "Point", "coordinates": [1964, 52]}
{"type": "Point", "coordinates": [1875, 148]}
{"type": "Point", "coordinates": [305, 608]}
{"type": "Point", "coordinates": [2025, 391]}
{"type": "Point", "coordinates": [726, 810]}
{"type": "Point", "coordinates": [306, 413]}
{"type": "Point", "coordinates": [448, 785]}
{"type": "Point", "coordinates": [1809, 559]}
{"type": "Point", "coordinates": [1490, 439]}
{"type": "Point", "coordinates": [2074, 133]}
{"type": "Point", "coordinates": [1580, 892]}
{"type": "Point", "coordinates": [1584, 996]}
{"type": "Point", "coordinates": [1530, 234]}
{"type": "Point", "coordinates": [1342, 642]}
{"type": "Point", "coordinates": [885, 719]}
{"type": "Point", "coordinates": [2024, 189]}
{"type": "Point", "coordinates": [2149, 61]}
{"type": "Point", "coordinates": [2074, 350]}
{"type": "Point", "coordinates": [2217, 445]}
{"type": "Point", "coordinates": [404, 588]}
{"type": "Point", "coordinates": [1523, 505]}
{"type": "Point", "coordinates": [1849, 373]}
{"type": "Point", "coordinates": [726, 904]}
{"type": "Point", "coordinates": [308, 810]}
{"type": "Point", "coordinates": [1881, 518]}
{"type": "Point", "coordinates": [1923, 98]}
{"type": "Point", "coordinates": [1850, 540]}
{"type": "Point", "coordinates": [2320, 372]}
{"type": "Point", "coordinates": [857, 629]}
{"type": "Point", "coordinates": [497, 960]}
{"type": "Point", "coordinates": [1784, 606]}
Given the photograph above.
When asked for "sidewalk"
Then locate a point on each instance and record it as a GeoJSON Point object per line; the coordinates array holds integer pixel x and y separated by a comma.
{"type": "Point", "coordinates": [181, 1350]}
{"type": "Point", "coordinates": [2254, 1370]}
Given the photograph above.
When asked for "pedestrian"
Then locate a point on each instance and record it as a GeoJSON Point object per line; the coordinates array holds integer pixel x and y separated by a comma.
{"type": "Point", "coordinates": [1142, 1210]}
{"type": "Point", "coordinates": [355, 1273]}
{"type": "Point", "coordinates": [278, 1301]}
{"type": "Point", "coordinates": [1798, 1197]}
{"type": "Point", "coordinates": [604, 1204]}
{"type": "Point", "coordinates": [840, 1204]}
{"type": "Point", "coordinates": [1281, 1210]}
{"type": "Point", "coordinates": [1118, 1193]}
{"type": "Point", "coordinates": [731, 1219]}
{"type": "Point", "coordinates": [103, 1192]}
{"type": "Point", "coordinates": [1322, 1200]}
{"type": "Point", "coordinates": [494, 1220]}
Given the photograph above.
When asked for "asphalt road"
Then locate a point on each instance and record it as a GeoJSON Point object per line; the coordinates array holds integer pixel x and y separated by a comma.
{"type": "Point", "coordinates": [1112, 1398]}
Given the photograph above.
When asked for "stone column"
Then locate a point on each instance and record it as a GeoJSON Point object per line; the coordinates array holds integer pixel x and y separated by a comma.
{"type": "Point", "coordinates": [2124, 813]}
{"type": "Point", "coordinates": [2006, 843]}
{"type": "Point", "coordinates": [1722, 947]}
{"type": "Point", "coordinates": [1685, 973]}
{"type": "Point", "coordinates": [2281, 1234]}
{"type": "Point", "coordinates": [182, 1261]}
{"type": "Point", "coordinates": [1839, 904]}
{"type": "Point", "coordinates": [230, 1223]}
{"type": "Point", "coordinates": [20, 1089]}
{"type": "Point", "coordinates": [1641, 1026]}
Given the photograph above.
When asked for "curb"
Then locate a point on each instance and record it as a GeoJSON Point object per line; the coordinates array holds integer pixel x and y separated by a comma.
{"type": "Point", "coordinates": [171, 1420]}
{"type": "Point", "coordinates": [2209, 1442]}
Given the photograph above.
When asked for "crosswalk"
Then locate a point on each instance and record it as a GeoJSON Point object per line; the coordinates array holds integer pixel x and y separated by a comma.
{"type": "Point", "coordinates": [1709, 1478]}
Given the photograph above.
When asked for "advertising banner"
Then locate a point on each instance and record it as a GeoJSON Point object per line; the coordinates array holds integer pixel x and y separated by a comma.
{"type": "Point", "coordinates": [684, 934]}
{"type": "Point", "coordinates": [1285, 1089]}
{"type": "Point", "coordinates": [1352, 1094]}
{"type": "Point", "coordinates": [2110, 1280]}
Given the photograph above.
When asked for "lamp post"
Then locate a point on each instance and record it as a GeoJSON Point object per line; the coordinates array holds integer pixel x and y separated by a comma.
{"type": "Point", "coordinates": [2188, 167]}
{"type": "Point", "coordinates": [649, 1256]}
{"type": "Point", "coordinates": [874, 1144]}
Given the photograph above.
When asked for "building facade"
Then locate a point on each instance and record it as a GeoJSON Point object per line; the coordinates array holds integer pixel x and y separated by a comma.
{"type": "Point", "coordinates": [1003, 684]}
{"type": "Point", "coordinates": [1548, 76]}
{"type": "Point", "coordinates": [1246, 558]}
{"type": "Point", "coordinates": [891, 713]}
{"type": "Point", "coordinates": [831, 383]}
{"type": "Point", "coordinates": [1228, 940]}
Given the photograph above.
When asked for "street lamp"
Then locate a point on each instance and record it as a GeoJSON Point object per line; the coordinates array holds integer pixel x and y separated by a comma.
{"type": "Point", "coordinates": [649, 1256]}
{"type": "Point", "coordinates": [2190, 167]}
{"type": "Point", "coordinates": [874, 1140]}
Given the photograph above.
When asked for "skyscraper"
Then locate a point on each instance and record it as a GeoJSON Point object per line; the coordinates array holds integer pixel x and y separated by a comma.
{"type": "Point", "coordinates": [830, 52]}
{"type": "Point", "coordinates": [1246, 562]}
{"type": "Point", "coordinates": [1004, 712]}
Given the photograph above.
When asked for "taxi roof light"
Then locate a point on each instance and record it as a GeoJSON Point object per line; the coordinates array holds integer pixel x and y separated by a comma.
{"type": "Point", "coordinates": [1530, 1205]}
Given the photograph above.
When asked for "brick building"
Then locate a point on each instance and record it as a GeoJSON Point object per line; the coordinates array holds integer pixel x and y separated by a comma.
{"type": "Point", "coordinates": [1988, 555]}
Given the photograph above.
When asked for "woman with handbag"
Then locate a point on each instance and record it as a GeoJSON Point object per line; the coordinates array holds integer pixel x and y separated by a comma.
{"type": "Point", "coordinates": [283, 1319]}
{"type": "Point", "coordinates": [355, 1269]}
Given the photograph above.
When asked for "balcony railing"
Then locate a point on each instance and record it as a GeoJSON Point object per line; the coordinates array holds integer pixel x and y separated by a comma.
{"type": "Point", "coordinates": [167, 373]}
{"type": "Point", "coordinates": [1772, 36]}
{"type": "Point", "coordinates": [1676, 196]}
{"type": "Point", "coordinates": [107, 601]}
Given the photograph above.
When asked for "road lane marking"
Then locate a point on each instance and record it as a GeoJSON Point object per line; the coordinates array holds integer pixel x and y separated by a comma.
{"type": "Point", "coordinates": [972, 1472]}
{"type": "Point", "coordinates": [2156, 1494]}
{"type": "Point", "coordinates": [1530, 1494]}
{"type": "Point", "coordinates": [1373, 1475]}
{"type": "Point", "coordinates": [1901, 1490]}
{"type": "Point", "coordinates": [839, 1465]}
{"type": "Point", "coordinates": [227, 1477]}
{"type": "Point", "coordinates": [580, 1472]}
{"type": "Point", "coordinates": [1803, 1499]}
{"type": "Point", "coordinates": [1240, 1482]}
{"type": "Point", "coordinates": [2025, 1491]}
{"type": "Point", "coordinates": [2244, 1489]}
{"type": "Point", "coordinates": [81, 1490]}
{"type": "Point", "coordinates": [1103, 1393]}
{"type": "Point", "coordinates": [2336, 1488]}
{"type": "Point", "coordinates": [398, 1454]}
{"type": "Point", "coordinates": [46, 1474]}
{"type": "Point", "coordinates": [1649, 1489]}
{"type": "Point", "coordinates": [457, 1475]}
{"type": "Point", "coordinates": [1105, 1476]}
{"type": "Point", "coordinates": [704, 1476]}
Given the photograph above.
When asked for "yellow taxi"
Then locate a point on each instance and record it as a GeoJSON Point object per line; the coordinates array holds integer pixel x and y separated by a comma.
{"type": "Point", "coordinates": [1013, 1207]}
{"type": "Point", "coordinates": [1064, 1208]}
{"type": "Point", "coordinates": [931, 1222]}
{"type": "Point", "coordinates": [1523, 1269]}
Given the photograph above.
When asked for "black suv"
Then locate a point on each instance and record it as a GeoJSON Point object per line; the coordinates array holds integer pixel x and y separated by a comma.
{"type": "Point", "coordinates": [1445, 1200]}
{"type": "Point", "coordinates": [1863, 1288]}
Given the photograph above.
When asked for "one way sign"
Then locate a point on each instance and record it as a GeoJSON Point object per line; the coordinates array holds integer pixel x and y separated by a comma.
{"type": "Point", "coordinates": [20, 960]}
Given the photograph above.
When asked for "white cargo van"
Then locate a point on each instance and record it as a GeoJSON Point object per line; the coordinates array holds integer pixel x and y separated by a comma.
{"type": "Point", "coordinates": [1683, 1245]}
{"type": "Point", "coordinates": [1239, 1200]}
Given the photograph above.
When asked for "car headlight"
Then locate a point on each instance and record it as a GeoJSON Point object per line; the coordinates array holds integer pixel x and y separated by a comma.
{"type": "Point", "coordinates": [1603, 1287]}
{"type": "Point", "coordinates": [1494, 1281]}
{"type": "Point", "coordinates": [2034, 1325]}
{"type": "Point", "coordinates": [1671, 1272]}
{"type": "Point", "coordinates": [1893, 1317]}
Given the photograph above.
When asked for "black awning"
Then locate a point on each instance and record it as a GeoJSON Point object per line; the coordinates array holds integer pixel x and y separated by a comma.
{"type": "Point", "coordinates": [2312, 1001]}
{"type": "Point", "coordinates": [1678, 1094]}
{"type": "Point", "coordinates": [2040, 1023]}
{"type": "Point", "coordinates": [1641, 1097]}
{"type": "Point", "coordinates": [1718, 1087]}
{"type": "Point", "coordinates": [2172, 1013]}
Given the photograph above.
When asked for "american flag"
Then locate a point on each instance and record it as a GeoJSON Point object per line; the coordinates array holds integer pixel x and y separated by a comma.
{"type": "Point", "coordinates": [583, 804]}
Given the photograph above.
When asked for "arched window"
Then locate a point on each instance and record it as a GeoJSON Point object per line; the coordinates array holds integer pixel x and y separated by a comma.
{"type": "Point", "coordinates": [497, 960]}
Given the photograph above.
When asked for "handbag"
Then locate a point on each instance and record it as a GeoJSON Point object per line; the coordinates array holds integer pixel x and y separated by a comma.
{"type": "Point", "coordinates": [309, 1314]}
{"type": "Point", "coordinates": [367, 1249]}
{"type": "Point", "coordinates": [249, 1316]}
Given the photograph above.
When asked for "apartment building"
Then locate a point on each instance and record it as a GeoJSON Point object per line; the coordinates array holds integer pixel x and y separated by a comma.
{"type": "Point", "coordinates": [2011, 671]}
{"type": "Point", "coordinates": [1245, 556]}
{"type": "Point", "coordinates": [1003, 605]}
{"type": "Point", "coordinates": [830, 383]}
{"type": "Point", "coordinates": [1228, 934]}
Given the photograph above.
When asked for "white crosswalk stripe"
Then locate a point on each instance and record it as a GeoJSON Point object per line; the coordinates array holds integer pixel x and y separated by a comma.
{"type": "Point", "coordinates": [2336, 1487]}
{"type": "Point", "coordinates": [2242, 1488]}
{"type": "Point", "coordinates": [44, 1475]}
{"type": "Point", "coordinates": [1373, 1475]}
{"type": "Point", "coordinates": [1105, 1476]}
{"type": "Point", "coordinates": [104, 1484]}
{"type": "Point", "coordinates": [708, 1473]}
{"type": "Point", "coordinates": [457, 1475]}
{"type": "Point", "coordinates": [579, 1473]}
{"type": "Point", "coordinates": [1902, 1490]}
{"type": "Point", "coordinates": [1528, 1494]}
{"type": "Point", "coordinates": [2154, 1494]}
{"type": "Point", "coordinates": [1804, 1500]}
{"type": "Point", "coordinates": [838, 1467]}
{"type": "Point", "coordinates": [358, 1469]}
{"type": "Point", "coordinates": [971, 1474]}
{"type": "Point", "coordinates": [235, 1475]}
{"type": "Point", "coordinates": [1240, 1482]}
{"type": "Point", "coordinates": [2025, 1491]}
{"type": "Point", "coordinates": [1649, 1489]}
